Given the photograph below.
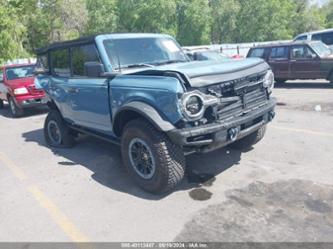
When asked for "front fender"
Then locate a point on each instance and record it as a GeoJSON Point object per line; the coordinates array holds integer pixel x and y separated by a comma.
{"type": "Point", "coordinates": [140, 109]}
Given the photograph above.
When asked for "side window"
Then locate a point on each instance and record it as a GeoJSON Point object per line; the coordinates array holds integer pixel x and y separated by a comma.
{"type": "Point", "coordinates": [60, 62]}
{"type": "Point", "coordinates": [279, 53]}
{"type": "Point", "coordinates": [301, 38]}
{"type": "Point", "coordinates": [257, 52]}
{"type": "Point", "coordinates": [327, 38]}
{"type": "Point", "coordinates": [1, 75]}
{"type": "Point", "coordinates": [302, 52]}
{"type": "Point", "coordinates": [317, 37]}
{"type": "Point", "coordinates": [81, 55]}
{"type": "Point", "coordinates": [43, 62]}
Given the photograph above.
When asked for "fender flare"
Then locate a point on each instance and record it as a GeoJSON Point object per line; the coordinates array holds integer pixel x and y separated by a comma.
{"type": "Point", "coordinates": [144, 110]}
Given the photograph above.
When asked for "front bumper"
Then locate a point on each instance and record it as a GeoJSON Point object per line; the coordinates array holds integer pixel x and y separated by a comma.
{"type": "Point", "coordinates": [223, 132]}
{"type": "Point", "coordinates": [31, 101]}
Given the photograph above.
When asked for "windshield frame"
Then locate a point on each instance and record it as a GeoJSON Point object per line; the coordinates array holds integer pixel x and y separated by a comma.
{"type": "Point", "coordinates": [114, 62]}
{"type": "Point", "coordinates": [18, 67]}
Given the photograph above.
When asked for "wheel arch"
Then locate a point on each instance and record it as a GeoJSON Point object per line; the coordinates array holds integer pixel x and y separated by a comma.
{"type": "Point", "coordinates": [135, 110]}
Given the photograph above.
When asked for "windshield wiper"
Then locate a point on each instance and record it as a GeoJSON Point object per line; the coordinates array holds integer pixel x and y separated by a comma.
{"type": "Point", "coordinates": [138, 65]}
{"type": "Point", "coordinates": [169, 62]}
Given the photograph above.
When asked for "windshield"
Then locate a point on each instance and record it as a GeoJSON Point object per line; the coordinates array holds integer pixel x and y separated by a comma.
{"type": "Point", "coordinates": [125, 53]}
{"type": "Point", "coordinates": [321, 49]}
{"type": "Point", "coordinates": [14, 73]}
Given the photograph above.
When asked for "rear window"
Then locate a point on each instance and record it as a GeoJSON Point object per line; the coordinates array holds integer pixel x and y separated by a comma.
{"type": "Point", "coordinates": [326, 38]}
{"type": "Point", "coordinates": [279, 53]}
{"type": "Point", "coordinates": [14, 73]}
{"type": "Point", "coordinates": [257, 52]}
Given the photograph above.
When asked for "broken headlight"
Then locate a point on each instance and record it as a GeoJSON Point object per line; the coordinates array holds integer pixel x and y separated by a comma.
{"type": "Point", "coordinates": [269, 81]}
{"type": "Point", "coordinates": [194, 104]}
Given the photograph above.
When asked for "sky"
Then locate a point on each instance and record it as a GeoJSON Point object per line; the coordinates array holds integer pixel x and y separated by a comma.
{"type": "Point", "coordinates": [320, 2]}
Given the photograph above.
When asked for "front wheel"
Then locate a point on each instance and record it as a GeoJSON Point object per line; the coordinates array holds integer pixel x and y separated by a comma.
{"type": "Point", "coordinates": [152, 160]}
{"type": "Point", "coordinates": [56, 132]}
{"type": "Point", "coordinates": [247, 142]}
{"type": "Point", "coordinates": [15, 110]}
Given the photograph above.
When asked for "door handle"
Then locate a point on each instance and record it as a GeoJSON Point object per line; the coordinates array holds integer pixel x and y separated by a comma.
{"type": "Point", "coordinates": [73, 90]}
{"type": "Point", "coordinates": [293, 60]}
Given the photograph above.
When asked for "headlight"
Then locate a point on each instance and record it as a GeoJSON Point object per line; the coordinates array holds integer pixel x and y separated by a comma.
{"type": "Point", "coordinates": [269, 81]}
{"type": "Point", "coordinates": [20, 91]}
{"type": "Point", "coordinates": [193, 106]}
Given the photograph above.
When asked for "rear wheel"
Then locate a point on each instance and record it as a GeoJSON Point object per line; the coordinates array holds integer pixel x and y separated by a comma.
{"type": "Point", "coordinates": [15, 110]}
{"type": "Point", "coordinates": [1, 104]}
{"type": "Point", "coordinates": [250, 140]}
{"type": "Point", "coordinates": [152, 160]}
{"type": "Point", "coordinates": [56, 132]}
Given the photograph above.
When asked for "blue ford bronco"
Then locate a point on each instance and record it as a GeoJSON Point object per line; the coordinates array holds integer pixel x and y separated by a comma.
{"type": "Point", "coordinates": [142, 92]}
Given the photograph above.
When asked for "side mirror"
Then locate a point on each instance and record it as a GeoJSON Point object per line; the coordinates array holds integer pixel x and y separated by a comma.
{"type": "Point", "coordinates": [39, 70]}
{"type": "Point", "coordinates": [93, 69]}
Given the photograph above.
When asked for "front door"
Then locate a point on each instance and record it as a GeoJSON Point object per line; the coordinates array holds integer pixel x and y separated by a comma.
{"type": "Point", "coordinates": [279, 62]}
{"type": "Point", "coordinates": [304, 63]}
{"type": "Point", "coordinates": [89, 97]}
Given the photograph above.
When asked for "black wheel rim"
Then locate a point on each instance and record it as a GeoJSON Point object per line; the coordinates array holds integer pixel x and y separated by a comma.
{"type": "Point", "coordinates": [54, 132]}
{"type": "Point", "coordinates": [142, 159]}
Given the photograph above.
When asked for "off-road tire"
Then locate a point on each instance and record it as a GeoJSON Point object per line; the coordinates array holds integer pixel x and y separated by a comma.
{"type": "Point", "coordinates": [1, 104]}
{"type": "Point", "coordinates": [15, 110]}
{"type": "Point", "coordinates": [169, 157]}
{"type": "Point", "coordinates": [247, 142]}
{"type": "Point", "coordinates": [67, 140]}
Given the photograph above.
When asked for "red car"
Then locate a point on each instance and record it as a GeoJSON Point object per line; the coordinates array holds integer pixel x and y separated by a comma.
{"type": "Point", "coordinates": [18, 89]}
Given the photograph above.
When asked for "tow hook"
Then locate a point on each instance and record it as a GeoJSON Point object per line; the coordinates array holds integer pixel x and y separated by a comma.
{"type": "Point", "coordinates": [271, 116]}
{"type": "Point", "coordinates": [233, 134]}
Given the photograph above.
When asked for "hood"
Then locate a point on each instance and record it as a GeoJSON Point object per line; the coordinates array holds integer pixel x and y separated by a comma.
{"type": "Point", "coordinates": [203, 73]}
{"type": "Point", "coordinates": [22, 82]}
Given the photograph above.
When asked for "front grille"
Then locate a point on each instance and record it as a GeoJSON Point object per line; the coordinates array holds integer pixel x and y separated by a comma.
{"type": "Point", "coordinates": [239, 96]}
{"type": "Point", "coordinates": [34, 91]}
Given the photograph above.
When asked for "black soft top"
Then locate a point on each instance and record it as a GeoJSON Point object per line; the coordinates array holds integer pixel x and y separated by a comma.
{"type": "Point", "coordinates": [65, 44]}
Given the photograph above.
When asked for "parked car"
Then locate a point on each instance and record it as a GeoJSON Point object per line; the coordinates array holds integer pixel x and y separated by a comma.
{"type": "Point", "coordinates": [203, 54]}
{"type": "Point", "coordinates": [326, 36]}
{"type": "Point", "coordinates": [18, 89]}
{"type": "Point", "coordinates": [297, 60]}
{"type": "Point", "coordinates": [142, 92]}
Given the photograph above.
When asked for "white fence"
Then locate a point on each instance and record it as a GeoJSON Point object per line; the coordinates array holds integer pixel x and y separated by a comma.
{"type": "Point", "coordinates": [21, 61]}
{"type": "Point", "coordinates": [231, 49]}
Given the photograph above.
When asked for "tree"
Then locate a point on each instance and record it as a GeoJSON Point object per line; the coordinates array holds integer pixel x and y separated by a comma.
{"type": "Point", "coordinates": [155, 16]}
{"type": "Point", "coordinates": [55, 20]}
{"type": "Point", "coordinates": [306, 17]}
{"type": "Point", "coordinates": [102, 16]}
{"type": "Point", "coordinates": [12, 31]}
{"type": "Point", "coordinates": [193, 22]}
{"type": "Point", "coordinates": [262, 20]}
{"type": "Point", "coordinates": [224, 20]}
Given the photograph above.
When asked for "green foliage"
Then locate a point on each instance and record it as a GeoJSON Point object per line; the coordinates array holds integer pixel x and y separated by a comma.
{"type": "Point", "coordinates": [193, 22]}
{"type": "Point", "coordinates": [147, 16]}
{"type": "Point", "coordinates": [29, 24]}
{"type": "Point", "coordinates": [102, 16]}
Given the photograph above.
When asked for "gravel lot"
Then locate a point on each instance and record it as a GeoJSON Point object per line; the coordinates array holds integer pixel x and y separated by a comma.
{"type": "Point", "coordinates": [282, 190]}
